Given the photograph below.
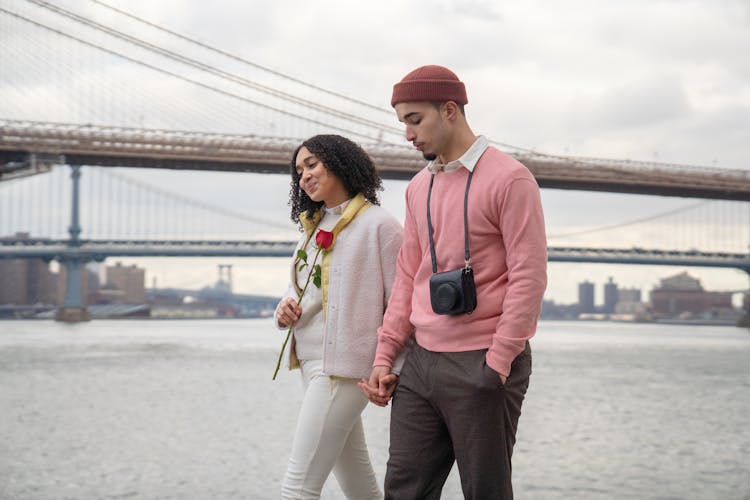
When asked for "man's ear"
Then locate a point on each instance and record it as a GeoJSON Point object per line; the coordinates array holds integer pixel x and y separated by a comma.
{"type": "Point", "coordinates": [450, 110]}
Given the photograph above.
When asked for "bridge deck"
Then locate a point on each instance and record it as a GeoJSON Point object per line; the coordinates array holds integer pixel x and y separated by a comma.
{"type": "Point", "coordinates": [99, 250]}
{"type": "Point", "coordinates": [25, 147]}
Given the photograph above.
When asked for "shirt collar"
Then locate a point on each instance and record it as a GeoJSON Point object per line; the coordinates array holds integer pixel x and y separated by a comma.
{"type": "Point", "coordinates": [338, 209]}
{"type": "Point", "coordinates": [467, 160]}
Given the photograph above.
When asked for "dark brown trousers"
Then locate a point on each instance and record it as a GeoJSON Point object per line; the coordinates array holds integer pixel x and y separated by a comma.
{"type": "Point", "coordinates": [451, 406]}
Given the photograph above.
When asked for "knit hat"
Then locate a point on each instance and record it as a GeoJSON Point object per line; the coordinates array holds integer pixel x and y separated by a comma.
{"type": "Point", "coordinates": [429, 83]}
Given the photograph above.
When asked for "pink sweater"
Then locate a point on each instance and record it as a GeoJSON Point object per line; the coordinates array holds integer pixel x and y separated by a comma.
{"type": "Point", "coordinates": [508, 253]}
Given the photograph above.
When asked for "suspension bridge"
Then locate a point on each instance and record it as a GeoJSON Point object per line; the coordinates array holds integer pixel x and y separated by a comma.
{"type": "Point", "coordinates": [248, 118]}
{"type": "Point", "coordinates": [109, 214]}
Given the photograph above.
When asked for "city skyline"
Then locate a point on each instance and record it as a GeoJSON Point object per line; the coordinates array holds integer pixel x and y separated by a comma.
{"type": "Point", "coordinates": [209, 275]}
{"type": "Point", "coordinates": [30, 288]}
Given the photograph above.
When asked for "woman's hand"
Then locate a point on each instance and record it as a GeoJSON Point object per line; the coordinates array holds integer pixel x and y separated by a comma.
{"type": "Point", "coordinates": [288, 312]}
{"type": "Point", "coordinates": [379, 388]}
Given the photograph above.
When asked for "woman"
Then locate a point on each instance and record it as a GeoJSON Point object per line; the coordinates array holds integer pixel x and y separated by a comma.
{"type": "Point", "coordinates": [334, 188]}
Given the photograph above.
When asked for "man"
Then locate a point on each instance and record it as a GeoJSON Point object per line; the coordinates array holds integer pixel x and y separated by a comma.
{"type": "Point", "coordinates": [458, 397]}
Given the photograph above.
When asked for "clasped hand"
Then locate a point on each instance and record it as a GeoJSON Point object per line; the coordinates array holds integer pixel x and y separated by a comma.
{"type": "Point", "coordinates": [379, 388]}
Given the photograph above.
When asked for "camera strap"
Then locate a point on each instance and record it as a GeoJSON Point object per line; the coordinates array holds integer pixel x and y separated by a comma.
{"type": "Point", "coordinates": [466, 223]}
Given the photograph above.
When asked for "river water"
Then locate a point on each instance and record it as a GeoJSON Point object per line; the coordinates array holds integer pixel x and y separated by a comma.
{"type": "Point", "coordinates": [187, 410]}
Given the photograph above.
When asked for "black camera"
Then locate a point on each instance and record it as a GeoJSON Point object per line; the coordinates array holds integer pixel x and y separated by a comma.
{"type": "Point", "coordinates": [453, 292]}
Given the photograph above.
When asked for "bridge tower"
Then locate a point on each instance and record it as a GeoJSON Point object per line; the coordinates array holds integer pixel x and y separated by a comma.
{"type": "Point", "coordinates": [225, 277]}
{"type": "Point", "coordinates": [73, 309]}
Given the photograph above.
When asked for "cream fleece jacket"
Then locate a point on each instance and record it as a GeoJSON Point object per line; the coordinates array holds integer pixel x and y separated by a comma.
{"type": "Point", "coordinates": [360, 277]}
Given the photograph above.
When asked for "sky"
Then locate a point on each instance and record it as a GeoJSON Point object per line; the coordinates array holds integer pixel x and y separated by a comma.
{"type": "Point", "coordinates": [665, 81]}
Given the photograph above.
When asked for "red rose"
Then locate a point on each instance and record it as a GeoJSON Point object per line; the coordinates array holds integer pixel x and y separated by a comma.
{"type": "Point", "coordinates": [324, 239]}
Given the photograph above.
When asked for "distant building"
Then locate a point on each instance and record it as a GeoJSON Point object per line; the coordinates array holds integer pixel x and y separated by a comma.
{"type": "Point", "coordinates": [683, 295]}
{"type": "Point", "coordinates": [628, 295]}
{"type": "Point", "coordinates": [26, 281]}
{"type": "Point", "coordinates": [610, 296]}
{"type": "Point", "coordinates": [629, 304]}
{"type": "Point", "coordinates": [225, 279]}
{"type": "Point", "coordinates": [586, 297]}
{"type": "Point", "coordinates": [124, 285]}
{"type": "Point", "coordinates": [682, 281]}
{"type": "Point", "coordinates": [551, 310]}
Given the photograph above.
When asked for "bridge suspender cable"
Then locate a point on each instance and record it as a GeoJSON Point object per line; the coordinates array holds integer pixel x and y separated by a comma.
{"type": "Point", "coordinates": [212, 69]}
{"type": "Point", "coordinates": [635, 221]}
{"type": "Point", "coordinates": [528, 153]}
{"type": "Point", "coordinates": [186, 79]}
{"type": "Point", "coordinates": [389, 112]}
{"type": "Point", "coordinates": [169, 195]}
{"type": "Point", "coordinates": [234, 57]}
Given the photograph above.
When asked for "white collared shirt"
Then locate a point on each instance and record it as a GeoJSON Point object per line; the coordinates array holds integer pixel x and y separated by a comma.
{"type": "Point", "coordinates": [467, 160]}
{"type": "Point", "coordinates": [338, 209]}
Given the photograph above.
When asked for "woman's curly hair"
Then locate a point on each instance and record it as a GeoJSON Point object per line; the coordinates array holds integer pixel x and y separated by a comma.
{"type": "Point", "coordinates": [342, 158]}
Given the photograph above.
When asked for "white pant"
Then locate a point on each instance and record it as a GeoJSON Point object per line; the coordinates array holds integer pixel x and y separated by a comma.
{"type": "Point", "coordinates": [329, 436]}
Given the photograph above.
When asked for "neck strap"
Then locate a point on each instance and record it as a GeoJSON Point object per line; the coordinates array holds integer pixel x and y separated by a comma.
{"type": "Point", "coordinates": [466, 224]}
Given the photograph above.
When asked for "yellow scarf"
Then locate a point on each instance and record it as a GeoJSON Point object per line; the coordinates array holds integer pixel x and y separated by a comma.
{"type": "Point", "coordinates": [356, 206]}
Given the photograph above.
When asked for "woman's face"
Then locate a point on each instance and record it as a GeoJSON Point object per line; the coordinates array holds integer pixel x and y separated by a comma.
{"type": "Point", "coordinates": [317, 181]}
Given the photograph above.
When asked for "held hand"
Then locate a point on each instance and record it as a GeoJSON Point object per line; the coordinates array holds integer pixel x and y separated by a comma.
{"type": "Point", "coordinates": [288, 312]}
{"type": "Point", "coordinates": [379, 388]}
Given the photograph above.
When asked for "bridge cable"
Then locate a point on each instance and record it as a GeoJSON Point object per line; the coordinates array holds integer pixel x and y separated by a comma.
{"type": "Point", "coordinates": [171, 196]}
{"type": "Point", "coordinates": [219, 72]}
{"type": "Point", "coordinates": [635, 221]}
{"type": "Point", "coordinates": [213, 70]}
{"type": "Point", "coordinates": [186, 79]}
{"type": "Point", "coordinates": [532, 152]}
{"type": "Point", "coordinates": [277, 73]}
{"type": "Point", "coordinates": [111, 87]}
{"type": "Point", "coordinates": [245, 61]}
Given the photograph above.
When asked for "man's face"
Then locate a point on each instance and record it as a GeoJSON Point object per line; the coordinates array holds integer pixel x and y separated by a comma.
{"type": "Point", "coordinates": [425, 127]}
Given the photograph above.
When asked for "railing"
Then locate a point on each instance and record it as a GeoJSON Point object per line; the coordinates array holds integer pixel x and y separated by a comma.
{"type": "Point", "coordinates": [100, 249]}
{"type": "Point", "coordinates": [122, 146]}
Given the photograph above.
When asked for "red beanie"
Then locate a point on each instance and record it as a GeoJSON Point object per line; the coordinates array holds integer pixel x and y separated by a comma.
{"type": "Point", "coordinates": [429, 83]}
